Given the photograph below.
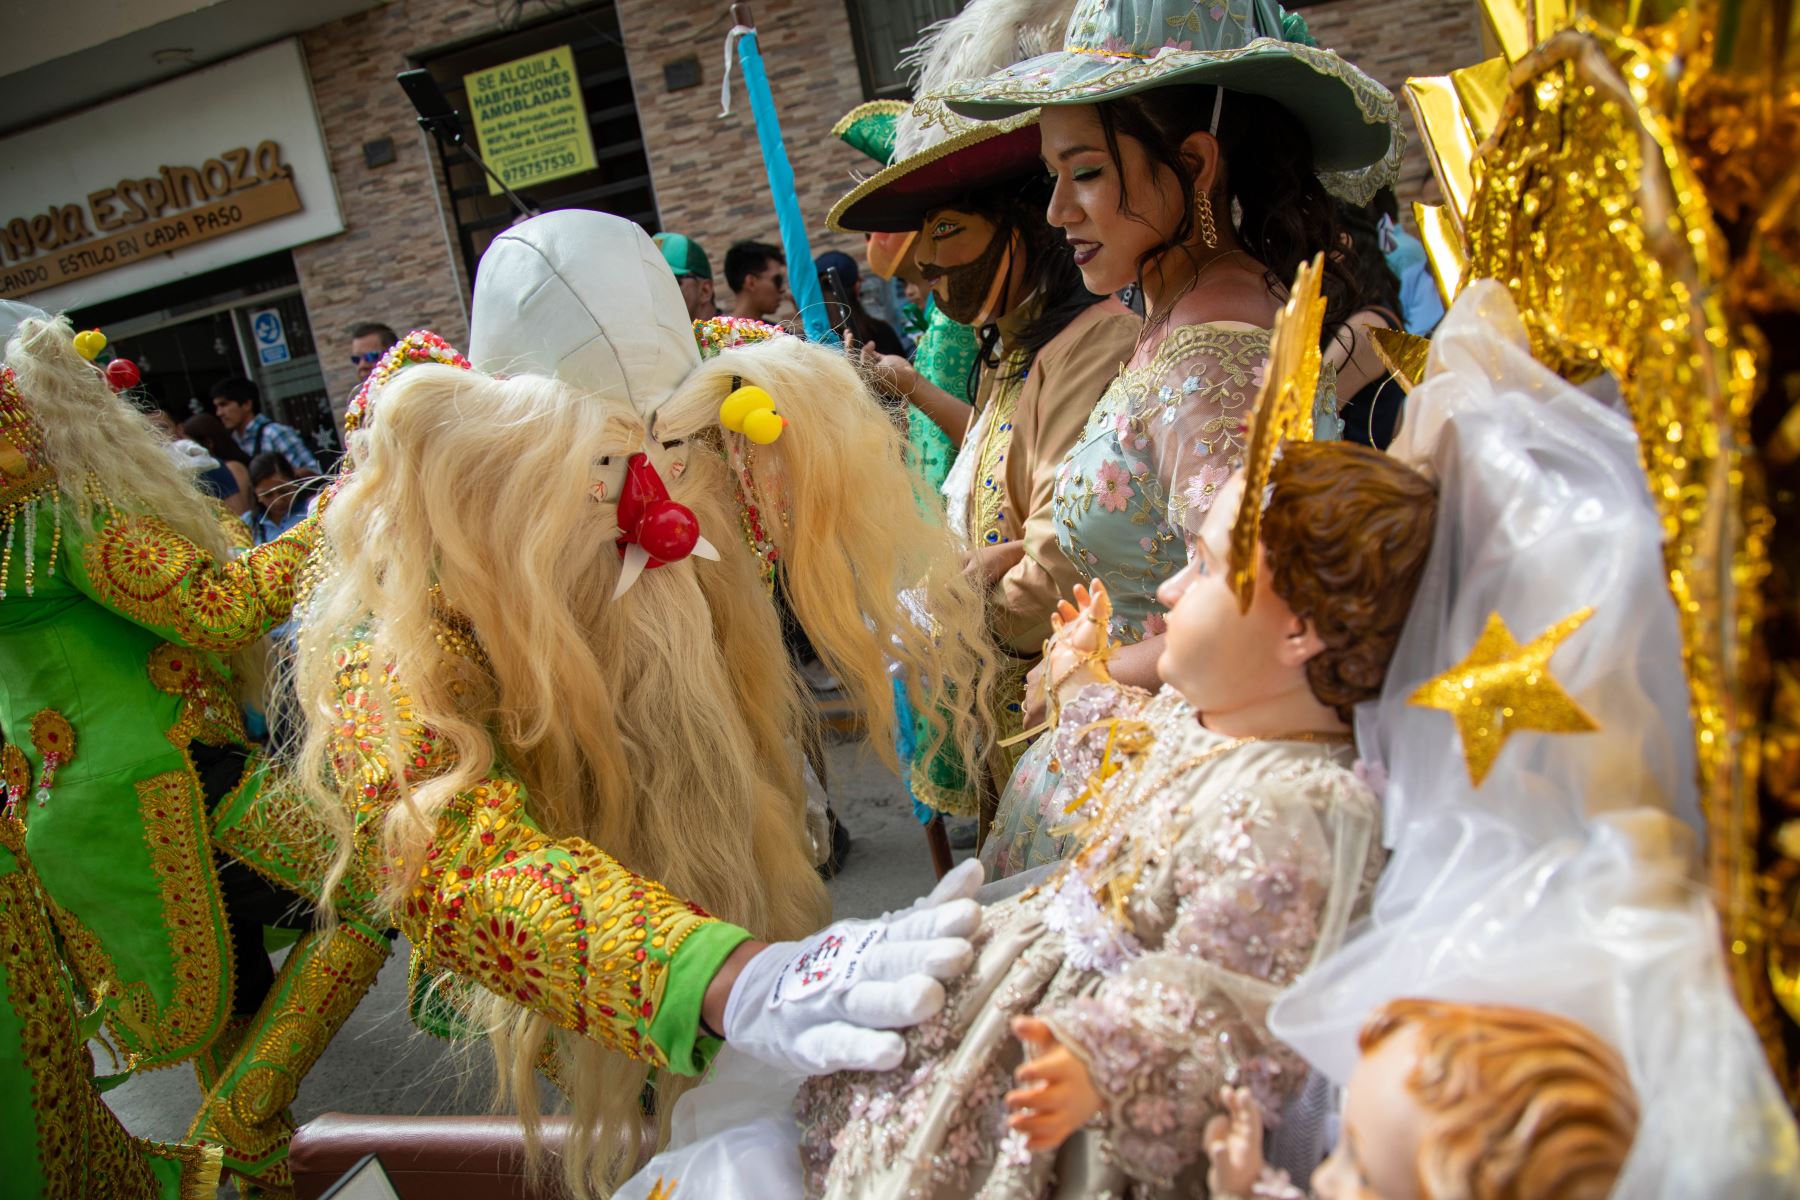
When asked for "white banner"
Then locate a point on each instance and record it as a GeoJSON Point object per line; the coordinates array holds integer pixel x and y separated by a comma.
{"type": "Point", "coordinates": [216, 167]}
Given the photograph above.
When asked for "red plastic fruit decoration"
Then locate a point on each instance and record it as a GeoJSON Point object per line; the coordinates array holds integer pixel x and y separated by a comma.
{"type": "Point", "coordinates": [667, 531]}
{"type": "Point", "coordinates": [122, 374]}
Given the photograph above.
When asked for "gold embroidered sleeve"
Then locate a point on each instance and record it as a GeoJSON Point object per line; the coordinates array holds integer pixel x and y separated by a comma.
{"type": "Point", "coordinates": [557, 926]}
{"type": "Point", "coordinates": [140, 568]}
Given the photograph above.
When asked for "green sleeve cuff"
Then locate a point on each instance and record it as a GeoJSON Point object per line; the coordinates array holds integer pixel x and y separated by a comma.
{"type": "Point", "coordinates": [676, 1027]}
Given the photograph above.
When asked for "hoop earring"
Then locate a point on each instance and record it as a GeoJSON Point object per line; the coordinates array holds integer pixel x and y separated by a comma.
{"type": "Point", "coordinates": [1203, 215]}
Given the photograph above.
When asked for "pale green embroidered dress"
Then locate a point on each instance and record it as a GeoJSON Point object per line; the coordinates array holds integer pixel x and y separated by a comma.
{"type": "Point", "coordinates": [1162, 441]}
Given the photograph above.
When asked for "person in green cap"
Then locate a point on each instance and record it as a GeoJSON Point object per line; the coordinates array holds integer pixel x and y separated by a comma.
{"type": "Point", "coordinates": [693, 273]}
{"type": "Point", "coordinates": [1196, 150]}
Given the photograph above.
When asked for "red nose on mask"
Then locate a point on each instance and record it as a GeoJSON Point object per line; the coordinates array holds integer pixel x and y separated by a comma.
{"type": "Point", "coordinates": [667, 531]}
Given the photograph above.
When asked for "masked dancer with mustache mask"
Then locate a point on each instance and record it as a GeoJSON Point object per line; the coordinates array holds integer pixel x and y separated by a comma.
{"type": "Point", "coordinates": [1196, 150]}
{"type": "Point", "coordinates": [971, 197]}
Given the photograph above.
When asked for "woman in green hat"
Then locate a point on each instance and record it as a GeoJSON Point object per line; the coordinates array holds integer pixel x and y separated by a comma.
{"type": "Point", "coordinates": [1195, 150]}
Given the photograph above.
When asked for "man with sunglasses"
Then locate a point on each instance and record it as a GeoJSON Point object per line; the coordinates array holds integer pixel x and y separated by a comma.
{"type": "Point", "coordinates": [756, 272]}
{"type": "Point", "coordinates": [368, 342]}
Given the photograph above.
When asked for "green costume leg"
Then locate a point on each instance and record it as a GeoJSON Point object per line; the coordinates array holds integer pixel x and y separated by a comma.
{"type": "Point", "coordinates": [325, 976]}
{"type": "Point", "coordinates": [62, 1142]}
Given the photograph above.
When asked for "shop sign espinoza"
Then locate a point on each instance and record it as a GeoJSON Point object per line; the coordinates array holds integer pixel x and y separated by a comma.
{"type": "Point", "coordinates": [136, 218]}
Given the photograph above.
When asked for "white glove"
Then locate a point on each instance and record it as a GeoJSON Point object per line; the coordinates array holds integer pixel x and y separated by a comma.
{"type": "Point", "coordinates": [825, 1003]}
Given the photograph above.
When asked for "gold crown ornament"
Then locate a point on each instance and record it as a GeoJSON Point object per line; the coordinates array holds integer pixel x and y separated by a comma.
{"type": "Point", "coordinates": [1283, 412]}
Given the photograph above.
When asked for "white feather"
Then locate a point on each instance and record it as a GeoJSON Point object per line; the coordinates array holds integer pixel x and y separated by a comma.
{"type": "Point", "coordinates": [986, 36]}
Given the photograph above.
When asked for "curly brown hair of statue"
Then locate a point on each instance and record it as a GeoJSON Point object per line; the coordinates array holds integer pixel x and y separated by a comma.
{"type": "Point", "coordinates": [1346, 533]}
{"type": "Point", "coordinates": [1519, 1104]}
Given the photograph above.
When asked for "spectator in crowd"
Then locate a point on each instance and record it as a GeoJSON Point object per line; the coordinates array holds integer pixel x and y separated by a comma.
{"type": "Point", "coordinates": [284, 494]}
{"type": "Point", "coordinates": [207, 430]}
{"type": "Point", "coordinates": [838, 280]}
{"type": "Point", "coordinates": [1421, 304]}
{"type": "Point", "coordinates": [1370, 399]}
{"type": "Point", "coordinates": [368, 342]}
{"type": "Point", "coordinates": [237, 403]}
{"type": "Point", "coordinates": [756, 273]}
{"type": "Point", "coordinates": [693, 273]}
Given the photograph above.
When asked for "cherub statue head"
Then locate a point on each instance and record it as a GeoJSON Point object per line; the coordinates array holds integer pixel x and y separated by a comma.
{"type": "Point", "coordinates": [1480, 1102]}
{"type": "Point", "coordinates": [1344, 535]}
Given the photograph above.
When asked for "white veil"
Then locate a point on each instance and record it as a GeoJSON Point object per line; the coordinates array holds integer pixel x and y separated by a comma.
{"type": "Point", "coordinates": [1567, 881]}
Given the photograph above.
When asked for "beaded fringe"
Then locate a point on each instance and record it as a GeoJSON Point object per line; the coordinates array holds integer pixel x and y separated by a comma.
{"type": "Point", "coordinates": [26, 514]}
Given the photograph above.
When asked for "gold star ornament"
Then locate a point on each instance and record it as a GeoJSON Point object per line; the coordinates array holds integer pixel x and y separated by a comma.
{"type": "Point", "coordinates": [1502, 687]}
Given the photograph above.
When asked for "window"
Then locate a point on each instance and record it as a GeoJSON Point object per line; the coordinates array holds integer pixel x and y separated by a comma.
{"type": "Point", "coordinates": [883, 31]}
{"type": "Point", "coordinates": [620, 182]}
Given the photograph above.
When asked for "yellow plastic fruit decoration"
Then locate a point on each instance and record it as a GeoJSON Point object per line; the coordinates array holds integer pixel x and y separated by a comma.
{"type": "Point", "coordinates": [89, 343]}
{"type": "Point", "coordinates": [741, 404]}
{"type": "Point", "coordinates": [763, 426]}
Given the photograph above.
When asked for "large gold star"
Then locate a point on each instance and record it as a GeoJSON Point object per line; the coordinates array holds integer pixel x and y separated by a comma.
{"type": "Point", "coordinates": [1503, 686]}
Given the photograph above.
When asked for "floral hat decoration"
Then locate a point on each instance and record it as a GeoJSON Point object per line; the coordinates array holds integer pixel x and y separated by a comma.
{"type": "Point", "coordinates": [1114, 48]}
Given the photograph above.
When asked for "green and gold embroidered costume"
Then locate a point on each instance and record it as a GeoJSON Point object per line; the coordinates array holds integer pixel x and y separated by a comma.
{"type": "Point", "coordinates": [123, 740]}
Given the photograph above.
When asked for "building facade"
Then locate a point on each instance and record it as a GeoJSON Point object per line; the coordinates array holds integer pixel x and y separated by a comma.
{"type": "Point", "coordinates": [611, 105]}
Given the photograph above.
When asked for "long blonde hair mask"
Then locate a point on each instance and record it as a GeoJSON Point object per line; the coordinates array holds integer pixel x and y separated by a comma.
{"type": "Point", "coordinates": [94, 436]}
{"type": "Point", "coordinates": [662, 727]}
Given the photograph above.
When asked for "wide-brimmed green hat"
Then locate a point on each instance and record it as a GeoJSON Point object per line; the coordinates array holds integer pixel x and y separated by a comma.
{"type": "Point", "coordinates": [963, 156]}
{"type": "Point", "coordinates": [1113, 48]}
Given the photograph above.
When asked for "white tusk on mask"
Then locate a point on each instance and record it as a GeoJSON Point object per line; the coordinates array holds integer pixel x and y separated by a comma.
{"type": "Point", "coordinates": [636, 559]}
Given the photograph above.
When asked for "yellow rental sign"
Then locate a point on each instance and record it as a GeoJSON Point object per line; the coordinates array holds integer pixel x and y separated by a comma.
{"type": "Point", "coordinates": [530, 119]}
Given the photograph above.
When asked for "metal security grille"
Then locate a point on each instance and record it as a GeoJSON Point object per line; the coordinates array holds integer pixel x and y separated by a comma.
{"type": "Point", "coordinates": [620, 181]}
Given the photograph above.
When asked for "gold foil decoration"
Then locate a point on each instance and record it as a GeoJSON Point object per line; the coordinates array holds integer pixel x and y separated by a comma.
{"type": "Point", "coordinates": [1402, 353]}
{"type": "Point", "coordinates": [1284, 409]}
{"type": "Point", "coordinates": [1589, 211]}
{"type": "Point", "coordinates": [1443, 248]}
{"type": "Point", "coordinates": [1482, 90]}
{"type": "Point", "coordinates": [1502, 688]}
{"type": "Point", "coordinates": [1450, 142]}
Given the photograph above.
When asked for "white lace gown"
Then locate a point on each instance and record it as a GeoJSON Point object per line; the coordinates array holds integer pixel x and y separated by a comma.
{"type": "Point", "coordinates": [1212, 873]}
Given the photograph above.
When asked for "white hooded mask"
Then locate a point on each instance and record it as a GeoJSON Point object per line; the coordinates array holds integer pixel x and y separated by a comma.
{"type": "Point", "coordinates": [586, 298]}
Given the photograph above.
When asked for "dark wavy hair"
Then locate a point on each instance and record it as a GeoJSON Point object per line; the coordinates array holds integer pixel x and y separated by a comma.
{"type": "Point", "coordinates": [1284, 215]}
{"type": "Point", "coordinates": [1050, 271]}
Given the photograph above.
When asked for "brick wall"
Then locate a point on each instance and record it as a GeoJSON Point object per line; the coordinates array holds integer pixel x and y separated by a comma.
{"type": "Point", "coordinates": [396, 260]}
{"type": "Point", "coordinates": [708, 171]}
{"type": "Point", "coordinates": [1394, 40]}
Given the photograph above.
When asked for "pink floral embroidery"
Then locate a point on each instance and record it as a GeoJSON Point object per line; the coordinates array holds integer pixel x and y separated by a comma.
{"type": "Point", "coordinates": [1203, 487]}
{"type": "Point", "coordinates": [1112, 487]}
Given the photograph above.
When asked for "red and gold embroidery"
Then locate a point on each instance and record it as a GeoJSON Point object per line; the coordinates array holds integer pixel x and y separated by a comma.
{"type": "Point", "coordinates": [82, 1150]}
{"type": "Point", "coordinates": [54, 740]}
{"type": "Point", "coordinates": [209, 713]}
{"type": "Point", "coordinates": [320, 984]}
{"type": "Point", "coordinates": [144, 569]}
{"type": "Point", "coordinates": [567, 932]}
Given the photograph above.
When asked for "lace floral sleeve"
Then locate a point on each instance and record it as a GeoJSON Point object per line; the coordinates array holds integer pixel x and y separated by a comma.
{"type": "Point", "coordinates": [1191, 418]}
{"type": "Point", "coordinates": [1256, 883]}
{"type": "Point", "coordinates": [1086, 739]}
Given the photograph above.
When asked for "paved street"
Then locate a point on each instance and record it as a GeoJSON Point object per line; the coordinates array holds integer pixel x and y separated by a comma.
{"type": "Point", "coordinates": [380, 1064]}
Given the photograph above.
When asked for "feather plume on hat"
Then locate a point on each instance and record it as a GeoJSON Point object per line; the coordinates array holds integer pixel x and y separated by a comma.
{"type": "Point", "coordinates": [986, 36]}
